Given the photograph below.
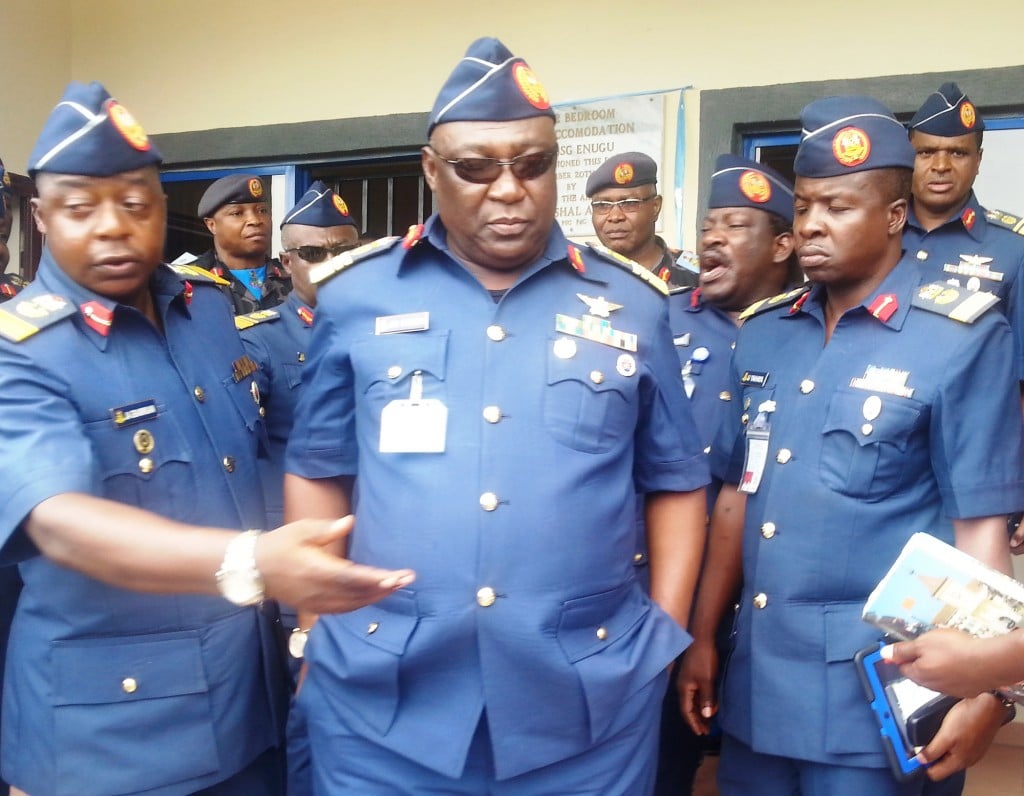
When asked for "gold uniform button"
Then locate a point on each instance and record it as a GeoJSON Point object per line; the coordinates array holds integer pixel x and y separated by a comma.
{"type": "Point", "coordinates": [784, 455]}
{"type": "Point", "coordinates": [760, 600]}
{"type": "Point", "coordinates": [488, 501]}
{"type": "Point", "coordinates": [596, 376]}
{"type": "Point", "coordinates": [725, 395]}
{"type": "Point", "coordinates": [866, 429]}
{"type": "Point", "coordinates": [492, 414]}
{"type": "Point", "coordinates": [372, 628]}
{"type": "Point", "coordinates": [638, 558]}
{"type": "Point", "coordinates": [768, 530]}
{"type": "Point", "coordinates": [229, 463]}
{"type": "Point", "coordinates": [806, 386]}
{"type": "Point", "coordinates": [263, 412]}
{"type": "Point", "coordinates": [485, 597]}
{"type": "Point", "coordinates": [602, 633]}
{"type": "Point", "coordinates": [200, 394]}
{"type": "Point", "coordinates": [394, 371]}
{"type": "Point", "coordinates": [146, 465]}
{"type": "Point", "coordinates": [495, 333]}
{"type": "Point", "coordinates": [129, 685]}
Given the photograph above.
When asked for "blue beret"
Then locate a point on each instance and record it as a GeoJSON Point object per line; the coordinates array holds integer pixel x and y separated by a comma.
{"type": "Point", "coordinates": [842, 135]}
{"type": "Point", "coordinates": [490, 85]}
{"type": "Point", "coordinates": [623, 171]}
{"type": "Point", "coordinates": [738, 182]}
{"type": "Point", "coordinates": [947, 113]}
{"type": "Point", "coordinates": [92, 134]}
{"type": "Point", "coordinates": [320, 207]}
{"type": "Point", "coordinates": [235, 189]}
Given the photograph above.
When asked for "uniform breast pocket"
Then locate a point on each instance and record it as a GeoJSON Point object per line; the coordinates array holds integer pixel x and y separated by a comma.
{"type": "Point", "coordinates": [147, 464]}
{"type": "Point", "coordinates": [864, 449]}
{"type": "Point", "coordinates": [590, 401]}
{"type": "Point", "coordinates": [385, 364]}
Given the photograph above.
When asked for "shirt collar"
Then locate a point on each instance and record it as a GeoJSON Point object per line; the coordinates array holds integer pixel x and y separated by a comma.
{"type": "Point", "coordinates": [556, 250]}
{"type": "Point", "coordinates": [970, 218]}
{"type": "Point", "coordinates": [889, 303]}
{"type": "Point", "coordinates": [96, 311]}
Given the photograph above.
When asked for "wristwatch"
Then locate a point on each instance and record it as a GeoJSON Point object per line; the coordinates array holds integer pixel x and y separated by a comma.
{"type": "Point", "coordinates": [297, 642]}
{"type": "Point", "coordinates": [238, 578]}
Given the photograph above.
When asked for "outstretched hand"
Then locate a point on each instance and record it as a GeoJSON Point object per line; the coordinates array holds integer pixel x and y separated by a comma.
{"type": "Point", "coordinates": [301, 565]}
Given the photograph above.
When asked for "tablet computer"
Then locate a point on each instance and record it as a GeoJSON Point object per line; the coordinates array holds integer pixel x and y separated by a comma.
{"type": "Point", "coordinates": [908, 714]}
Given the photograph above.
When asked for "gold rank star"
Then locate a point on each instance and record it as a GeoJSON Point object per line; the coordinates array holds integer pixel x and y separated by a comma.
{"type": "Point", "coordinates": [599, 306]}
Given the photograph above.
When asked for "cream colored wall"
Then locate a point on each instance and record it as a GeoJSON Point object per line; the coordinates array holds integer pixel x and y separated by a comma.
{"type": "Point", "coordinates": [35, 47]}
{"type": "Point", "coordinates": [200, 64]}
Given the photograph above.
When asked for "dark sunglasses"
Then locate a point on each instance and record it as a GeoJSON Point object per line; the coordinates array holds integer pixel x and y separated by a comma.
{"type": "Point", "coordinates": [487, 170]}
{"type": "Point", "coordinates": [317, 254]}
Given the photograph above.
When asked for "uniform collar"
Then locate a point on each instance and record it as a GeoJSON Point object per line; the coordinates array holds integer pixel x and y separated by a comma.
{"type": "Point", "coordinates": [299, 308]}
{"type": "Point", "coordinates": [556, 250]}
{"type": "Point", "coordinates": [889, 303]}
{"type": "Point", "coordinates": [97, 314]}
{"type": "Point", "coordinates": [969, 219]}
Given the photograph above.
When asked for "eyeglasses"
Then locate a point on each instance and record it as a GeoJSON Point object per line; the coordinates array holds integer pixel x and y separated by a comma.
{"type": "Point", "coordinates": [317, 254]}
{"type": "Point", "coordinates": [601, 207]}
{"type": "Point", "coordinates": [486, 170]}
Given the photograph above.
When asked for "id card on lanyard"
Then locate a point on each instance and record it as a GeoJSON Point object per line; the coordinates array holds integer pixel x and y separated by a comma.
{"type": "Point", "coordinates": [758, 435]}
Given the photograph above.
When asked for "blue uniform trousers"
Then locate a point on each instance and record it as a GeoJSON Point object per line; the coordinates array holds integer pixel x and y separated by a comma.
{"type": "Point", "coordinates": [744, 772]}
{"type": "Point", "coordinates": [622, 765]}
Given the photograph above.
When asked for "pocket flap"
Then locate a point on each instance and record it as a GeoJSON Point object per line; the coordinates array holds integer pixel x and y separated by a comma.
{"type": "Point", "coordinates": [103, 670]}
{"type": "Point", "coordinates": [393, 358]}
{"type": "Point", "coordinates": [884, 418]}
{"type": "Point", "coordinates": [388, 624]}
{"type": "Point", "coordinates": [592, 623]}
{"type": "Point", "coordinates": [845, 632]}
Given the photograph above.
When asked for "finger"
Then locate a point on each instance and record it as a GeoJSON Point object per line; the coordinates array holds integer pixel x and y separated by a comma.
{"type": "Point", "coordinates": [334, 531]}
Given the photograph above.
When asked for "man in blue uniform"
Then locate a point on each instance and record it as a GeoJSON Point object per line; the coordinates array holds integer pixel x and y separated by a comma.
{"type": "Point", "coordinates": [624, 208]}
{"type": "Point", "coordinates": [139, 661]}
{"type": "Point", "coordinates": [857, 421]}
{"type": "Point", "coordinates": [746, 255]}
{"type": "Point", "coordinates": [319, 226]}
{"type": "Point", "coordinates": [502, 395]}
{"type": "Point", "coordinates": [236, 210]}
{"type": "Point", "coordinates": [950, 235]}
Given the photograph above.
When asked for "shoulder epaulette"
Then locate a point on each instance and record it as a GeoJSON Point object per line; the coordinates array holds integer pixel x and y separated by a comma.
{"type": "Point", "coordinates": [15, 280]}
{"type": "Point", "coordinates": [255, 318]}
{"type": "Point", "coordinates": [633, 267]}
{"type": "Point", "coordinates": [1005, 220]}
{"type": "Point", "coordinates": [954, 302]}
{"type": "Point", "coordinates": [323, 271]}
{"type": "Point", "coordinates": [774, 301]}
{"type": "Point", "coordinates": [196, 274]}
{"type": "Point", "coordinates": [23, 316]}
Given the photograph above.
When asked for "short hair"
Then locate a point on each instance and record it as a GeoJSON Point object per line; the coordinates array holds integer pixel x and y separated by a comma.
{"type": "Point", "coordinates": [894, 183]}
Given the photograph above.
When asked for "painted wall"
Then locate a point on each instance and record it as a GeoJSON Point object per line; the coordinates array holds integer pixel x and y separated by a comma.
{"type": "Point", "coordinates": [203, 64]}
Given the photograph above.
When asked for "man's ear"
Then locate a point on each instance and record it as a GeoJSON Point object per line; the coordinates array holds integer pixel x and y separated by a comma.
{"type": "Point", "coordinates": [39, 215]}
